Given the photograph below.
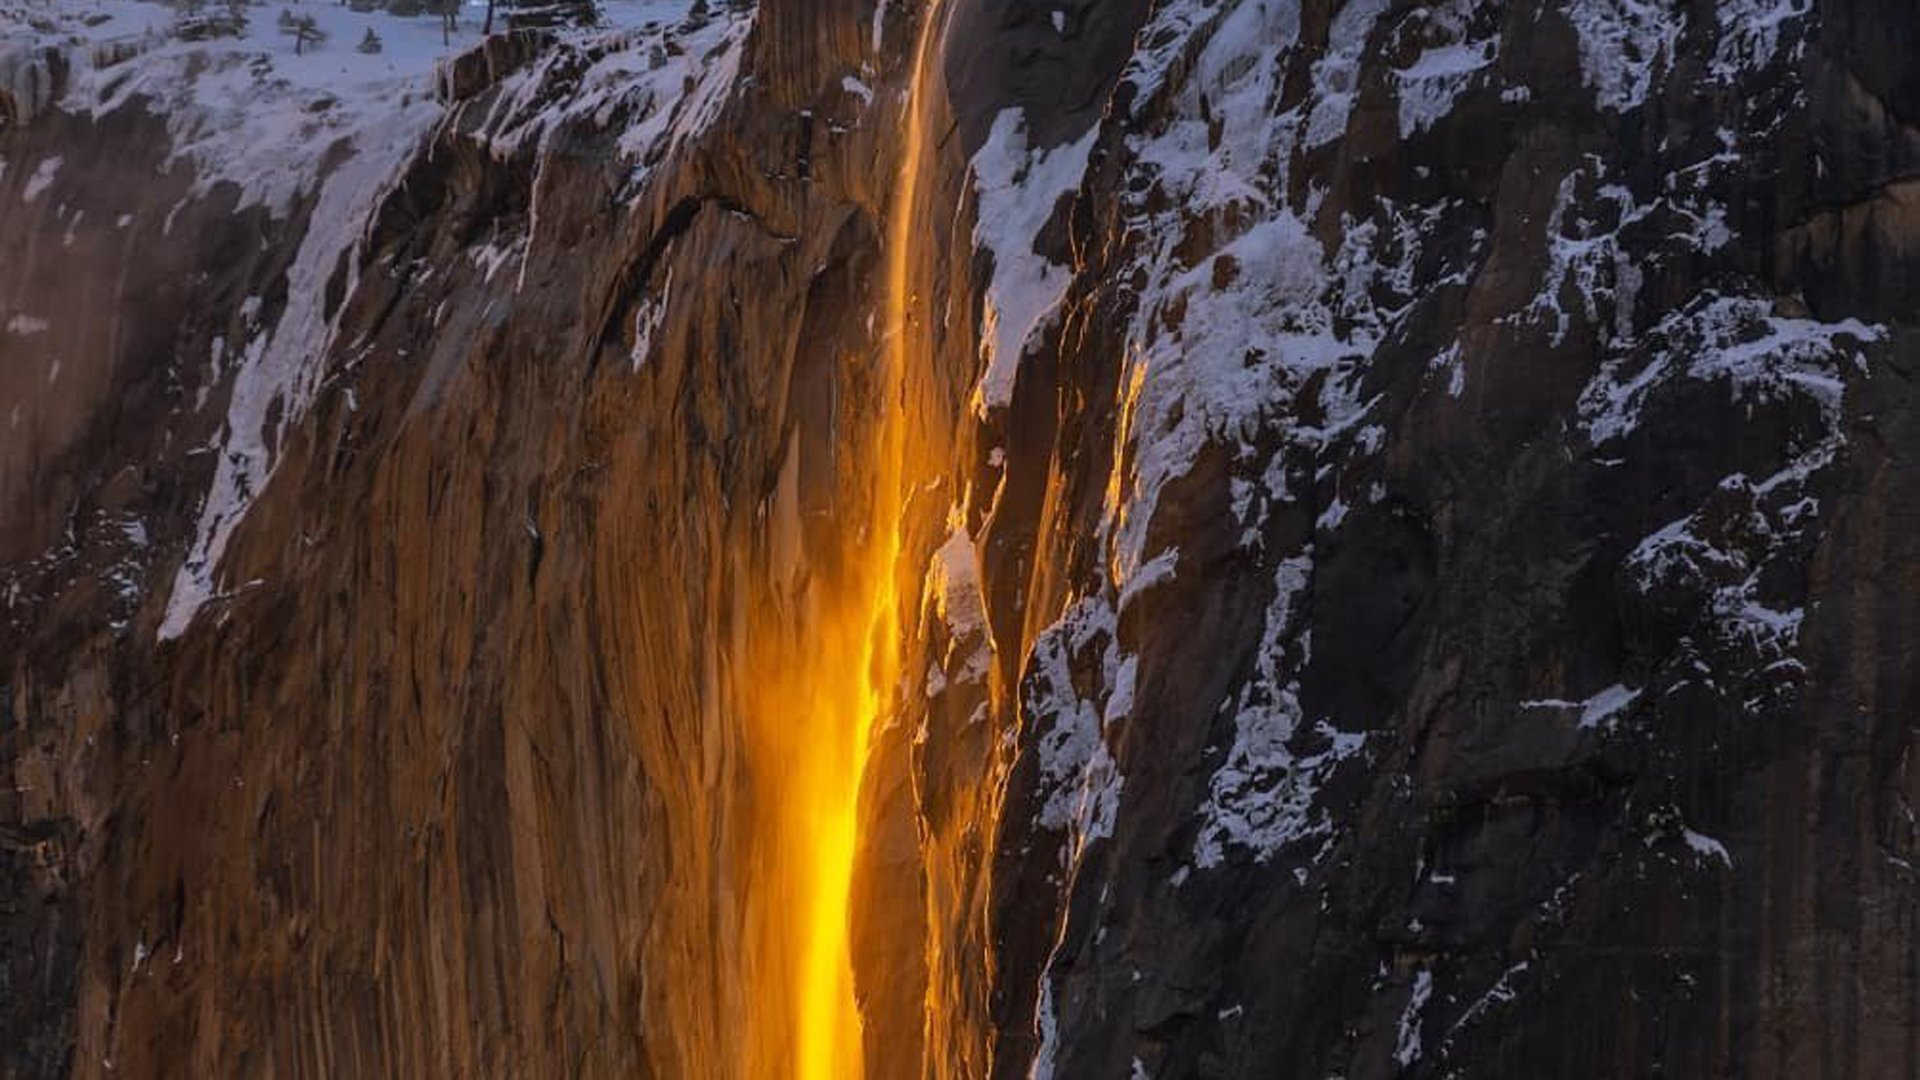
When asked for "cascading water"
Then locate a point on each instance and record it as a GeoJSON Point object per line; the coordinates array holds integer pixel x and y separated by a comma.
{"type": "Point", "coordinates": [842, 687]}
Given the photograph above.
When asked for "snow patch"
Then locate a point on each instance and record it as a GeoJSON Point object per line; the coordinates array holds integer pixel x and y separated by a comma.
{"type": "Point", "coordinates": [1602, 710]}
{"type": "Point", "coordinates": [648, 319]}
{"type": "Point", "coordinates": [1429, 87]}
{"type": "Point", "coordinates": [1018, 188]}
{"type": "Point", "coordinates": [952, 594]}
{"type": "Point", "coordinates": [42, 178]}
{"type": "Point", "coordinates": [1079, 778]}
{"type": "Point", "coordinates": [282, 369]}
{"type": "Point", "coordinates": [1623, 45]}
{"type": "Point", "coordinates": [1261, 798]}
{"type": "Point", "coordinates": [1707, 847]}
{"type": "Point", "coordinates": [1751, 32]}
{"type": "Point", "coordinates": [246, 109]}
{"type": "Point", "coordinates": [1336, 76]}
{"type": "Point", "coordinates": [1406, 1048]}
{"type": "Point", "coordinates": [1733, 340]}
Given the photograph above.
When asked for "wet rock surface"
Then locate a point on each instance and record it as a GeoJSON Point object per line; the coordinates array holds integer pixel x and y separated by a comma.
{"type": "Point", "coordinates": [1408, 566]}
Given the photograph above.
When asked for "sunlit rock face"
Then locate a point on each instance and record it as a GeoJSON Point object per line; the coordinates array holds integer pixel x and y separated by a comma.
{"type": "Point", "coordinates": [968, 538]}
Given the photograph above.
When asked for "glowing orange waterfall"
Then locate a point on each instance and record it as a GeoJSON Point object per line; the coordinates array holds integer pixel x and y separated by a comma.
{"type": "Point", "coordinates": [821, 714]}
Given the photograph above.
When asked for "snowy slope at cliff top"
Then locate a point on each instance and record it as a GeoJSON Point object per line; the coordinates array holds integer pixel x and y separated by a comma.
{"type": "Point", "coordinates": [330, 127]}
{"type": "Point", "coordinates": [282, 366]}
{"type": "Point", "coordinates": [248, 109]}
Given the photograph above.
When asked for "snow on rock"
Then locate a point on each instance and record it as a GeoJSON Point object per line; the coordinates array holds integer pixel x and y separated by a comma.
{"type": "Point", "coordinates": [1624, 44]}
{"type": "Point", "coordinates": [1079, 780]}
{"type": "Point", "coordinates": [1667, 831]}
{"type": "Point", "coordinates": [1602, 710]}
{"type": "Point", "coordinates": [1718, 558]}
{"type": "Point", "coordinates": [1047, 1026]}
{"type": "Point", "coordinates": [657, 84]}
{"type": "Point", "coordinates": [27, 325]}
{"type": "Point", "coordinates": [953, 595]}
{"type": "Point", "coordinates": [1752, 32]}
{"type": "Point", "coordinates": [42, 178]}
{"type": "Point", "coordinates": [1585, 256]}
{"type": "Point", "coordinates": [245, 109]}
{"type": "Point", "coordinates": [953, 585]}
{"type": "Point", "coordinates": [338, 126]}
{"type": "Point", "coordinates": [648, 318]}
{"type": "Point", "coordinates": [1018, 187]}
{"type": "Point", "coordinates": [1736, 341]}
{"type": "Point", "coordinates": [1452, 60]}
{"type": "Point", "coordinates": [26, 77]}
{"type": "Point", "coordinates": [1429, 87]}
{"type": "Point", "coordinates": [1261, 799]}
{"type": "Point", "coordinates": [1696, 557]}
{"type": "Point", "coordinates": [1337, 72]}
{"type": "Point", "coordinates": [1707, 847]}
{"type": "Point", "coordinates": [1226, 340]}
{"type": "Point", "coordinates": [281, 369]}
{"type": "Point", "coordinates": [1504, 990]}
{"type": "Point", "coordinates": [1406, 1048]}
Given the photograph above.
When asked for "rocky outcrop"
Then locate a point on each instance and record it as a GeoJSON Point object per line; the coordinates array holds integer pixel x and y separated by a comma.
{"type": "Point", "coordinates": [1476, 654]}
{"type": "Point", "coordinates": [1400, 566]}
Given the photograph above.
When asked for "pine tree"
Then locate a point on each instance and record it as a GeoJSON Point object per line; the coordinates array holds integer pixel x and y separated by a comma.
{"type": "Point", "coordinates": [449, 12]}
{"type": "Point", "coordinates": [306, 33]}
{"type": "Point", "coordinates": [371, 43]}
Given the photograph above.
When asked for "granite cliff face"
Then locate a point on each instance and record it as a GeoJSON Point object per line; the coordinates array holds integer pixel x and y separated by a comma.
{"type": "Point", "coordinates": [1230, 537]}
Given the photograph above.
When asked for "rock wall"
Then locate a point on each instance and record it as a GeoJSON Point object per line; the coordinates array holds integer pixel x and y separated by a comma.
{"type": "Point", "coordinates": [1401, 569]}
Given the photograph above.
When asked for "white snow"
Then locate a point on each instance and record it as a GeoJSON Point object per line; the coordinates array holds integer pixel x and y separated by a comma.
{"type": "Point", "coordinates": [27, 325]}
{"type": "Point", "coordinates": [25, 74]}
{"type": "Point", "coordinates": [246, 109]}
{"type": "Point", "coordinates": [1337, 73]}
{"type": "Point", "coordinates": [1502, 991]}
{"type": "Point", "coordinates": [42, 178]}
{"type": "Point", "coordinates": [1260, 799]}
{"type": "Point", "coordinates": [649, 318]}
{"type": "Point", "coordinates": [1603, 709]}
{"type": "Point", "coordinates": [1585, 257]}
{"type": "Point", "coordinates": [1751, 33]}
{"type": "Point", "coordinates": [1018, 188]}
{"type": "Point", "coordinates": [1047, 1026]}
{"type": "Point", "coordinates": [1724, 561]}
{"type": "Point", "coordinates": [1733, 340]}
{"type": "Point", "coordinates": [952, 593]}
{"type": "Point", "coordinates": [335, 126]}
{"type": "Point", "coordinates": [489, 257]}
{"type": "Point", "coordinates": [1429, 87]}
{"type": "Point", "coordinates": [953, 584]}
{"type": "Point", "coordinates": [1623, 45]}
{"type": "Point", "coordinates": [1227, 339]}
{"type": "Point", "coordinates": [282, 369]}
{"type": "Point", "coordinates": [1078, 775]}
{"type": "Point", "coordinates": [1707, 847]}
{"type": "Point", "coordinates": [655, 96]}
{"type": "Point", "coordinates": [1406, 1049]}
{"type": "Point", "coordinates": [879, 25]}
